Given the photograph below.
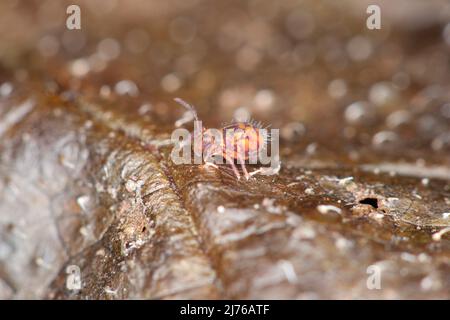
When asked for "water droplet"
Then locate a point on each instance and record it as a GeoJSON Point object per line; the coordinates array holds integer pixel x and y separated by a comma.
{"type": "Point", "coordinates": [337, 88]}
{"type": "Point", "coordinates": [108, 49]}
{"type": "Point", "coordinates": [171, 82]}
{"type": "Point", "coordinates": [359, 112]}
{"type": "Point", "coordinates": [126, 87]}
{"type": "Point", "coordinates": [398, 118]}
{"type": "Point", "coordinates": [384, 138]}
{"type": "Point", "coordinates": [359, 48]}
{"type": "Point", "coordinates": [6, 89]}
{"type": "Point", "coordinates": [145, 108]}
{"type": "Point", "coordinates": [382, 93]}
{"type": "Point", "coordinates": [79, 67]}
{"type": "Point", "coordinates": [264, 99]}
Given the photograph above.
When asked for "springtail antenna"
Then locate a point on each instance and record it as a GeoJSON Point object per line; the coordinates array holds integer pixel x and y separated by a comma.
{"type": "Point", "coordinates": [187, 106]}
{"type": "Point", "coordinates": [197, 122]}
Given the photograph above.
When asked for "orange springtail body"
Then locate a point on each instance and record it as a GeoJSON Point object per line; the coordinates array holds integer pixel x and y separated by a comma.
{"type": "Point", "coordinates": [239, 142]}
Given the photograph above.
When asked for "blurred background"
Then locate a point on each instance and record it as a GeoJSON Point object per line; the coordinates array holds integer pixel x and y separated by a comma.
{"type": "Point", "coordinates": [303, 66]}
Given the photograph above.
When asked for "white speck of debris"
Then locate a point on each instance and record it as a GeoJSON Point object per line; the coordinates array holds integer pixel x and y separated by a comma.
{"type": "Point", "coordinates": [256, 206]}
{"type": "Point", "coordinates": [358, 112]}
{"type": "Point", "coordinates": [221, 209]}
{"type": "Point", "coordinates": [83, 202]}
{"type": "Point", "coordinates": [15, 115]}
{"type": "Point", "coordinates": [293, 184]}
{"type": "Point", "coordinates": [345, 181]}
{"type": "Point", "coordinates": [289, 271]}
{"type": "Point", "coordinates": [267, 171]}
{"type": "Point", "coordinates": [88, 124]}
{"type": "Point", "coordinates": [309, 191]}
{"type": "Point", "coordinates": [84, 231]}
{"type": "Point", "coordinates": [6, 89]}
{"type": "Point", "coordinates": [110, 291]}
{"type": "Point", "coordinates": [42, 263]}
{"type": "Point", "coordinates": [100, 252]}
{"type": "Point", "coordinates": [446, 215]}
{"type": "Point", "coordinates": [324, 209]}
{"type": "Point", "coordinates": [376, 216]}
{"type": "Point", "coordinates": [418, 196]}
{"type": "Point", "coordinates": [343, 244]}
{"type": "Point", "coordinates": [438, 235]}
{"type": "Point", "coordinates": [425, 181]}
{"type": "Point", "coordinates": [131, 185]}
{"type": "Point", "coordinates": [126, 87]}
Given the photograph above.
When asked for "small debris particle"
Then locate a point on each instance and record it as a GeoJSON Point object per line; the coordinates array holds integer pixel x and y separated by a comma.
{"type": "Point", "coordinates": [289, 271]}
{"type": "Point", "coordinates": [345, 181]}
{"type": "Point", "coordinates": [110, 291]}
{"type": "Point", "coordinates": [343, 244]}
{"type": "Point", "coordinates": [438, 235]}
{"type": "Point", "coordinates": [83, 202]}
{"type": "Point", "coordinates": [324, 209]}
{"type": "Point", "coordinates": [131, 185]}
{"type": "Point", "coordinates": [221, 209]}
